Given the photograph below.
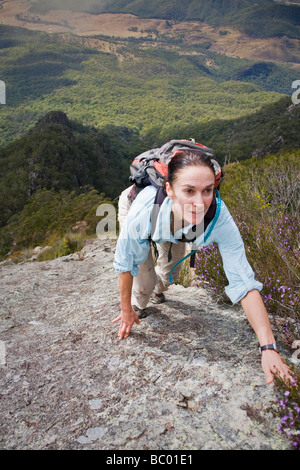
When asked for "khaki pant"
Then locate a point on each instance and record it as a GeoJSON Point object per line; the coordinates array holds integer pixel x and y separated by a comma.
{"type": "Point", "coordinates": [152, 278]}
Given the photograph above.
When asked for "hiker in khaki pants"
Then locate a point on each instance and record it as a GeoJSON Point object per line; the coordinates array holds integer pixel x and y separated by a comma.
{"type": "Point", "coordinates": [191, 193]}
{"type": "Point", "coordinates": [151, 280]}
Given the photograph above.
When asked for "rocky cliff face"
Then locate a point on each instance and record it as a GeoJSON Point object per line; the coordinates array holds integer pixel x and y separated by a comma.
{"type": "Point", "coordinates": [188, 377]}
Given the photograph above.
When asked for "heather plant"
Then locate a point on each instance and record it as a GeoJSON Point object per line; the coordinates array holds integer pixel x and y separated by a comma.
{"type": "Point", "coordinates": [287, 407]}
{"type": "Point", "coordinates": [280, 275]}
{"type": "Point", "coordinates": [209, 271]}
{"type": "Point", "coordinates": [273, 254]}
{"type": "Point", "coordinates": [263, 197]}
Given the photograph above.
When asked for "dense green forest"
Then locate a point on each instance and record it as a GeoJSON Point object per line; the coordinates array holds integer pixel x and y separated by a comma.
{"type": "Point", "coordinates": [273, 128]}
{"type": "Point", "coordinates": [59, 155]}
{"type": "Point", "coordinates": [257, 18]}
{"type": "Point", "coordinates": [62, 159]}
{"type": "Point", "coordinates": [149, 88]}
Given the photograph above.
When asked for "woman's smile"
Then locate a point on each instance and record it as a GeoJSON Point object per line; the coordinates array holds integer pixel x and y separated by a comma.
{"type": "Point", "coordinates": [192, 194]}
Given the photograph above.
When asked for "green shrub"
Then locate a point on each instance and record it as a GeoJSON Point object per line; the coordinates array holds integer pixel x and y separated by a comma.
{"type": "Point", "coordinates": [60, 219]}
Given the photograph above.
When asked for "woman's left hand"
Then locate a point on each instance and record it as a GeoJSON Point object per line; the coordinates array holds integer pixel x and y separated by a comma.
{"type": "Point", "coordinates": [272, 364]}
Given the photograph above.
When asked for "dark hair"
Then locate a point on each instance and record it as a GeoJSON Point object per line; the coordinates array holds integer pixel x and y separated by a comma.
{"type": "Point", "coordinates": [185, 158]}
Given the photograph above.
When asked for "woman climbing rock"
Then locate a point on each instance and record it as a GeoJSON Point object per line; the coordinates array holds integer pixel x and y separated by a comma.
{"type": "Point", "coordinates": [192, 206]}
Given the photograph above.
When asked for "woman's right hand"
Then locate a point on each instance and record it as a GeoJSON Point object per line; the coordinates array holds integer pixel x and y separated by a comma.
{"type": "Point", "coordinates": [127, 317]}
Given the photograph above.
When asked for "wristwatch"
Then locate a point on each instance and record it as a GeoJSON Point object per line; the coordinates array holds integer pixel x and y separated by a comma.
{"type": "Point", "coordinates": [268, 346]}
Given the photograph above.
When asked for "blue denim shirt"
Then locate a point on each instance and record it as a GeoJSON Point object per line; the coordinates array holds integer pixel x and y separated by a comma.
{"type": "Point", "coordinates": [133, 244]}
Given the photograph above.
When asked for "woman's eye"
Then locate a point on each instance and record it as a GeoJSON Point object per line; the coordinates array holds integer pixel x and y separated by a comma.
{"type": "Point", "coordinates": [208, 191]}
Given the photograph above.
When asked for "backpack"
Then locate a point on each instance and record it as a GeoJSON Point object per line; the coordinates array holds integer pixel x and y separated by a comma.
{"type": "Point", "coordinates": [151, 168]}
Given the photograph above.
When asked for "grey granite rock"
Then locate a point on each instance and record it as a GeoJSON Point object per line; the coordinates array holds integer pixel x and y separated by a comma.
{"type": "Point", "coordinates": [187, 378]}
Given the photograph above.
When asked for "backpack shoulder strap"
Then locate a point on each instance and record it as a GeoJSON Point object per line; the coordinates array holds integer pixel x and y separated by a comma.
{"type": "Point", "coordinates": [206, 235]}
{"type": "Point", "coordinates": [159, 199]}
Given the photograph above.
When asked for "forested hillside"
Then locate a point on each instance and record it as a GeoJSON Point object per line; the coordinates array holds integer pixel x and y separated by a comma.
{"type": "Point", "coordinates": [257, 18]}
{"type": "Point", "coordinates": [59, 172]}
{"type": "Point", "coordinates": [273, 128]}
{"type": "Point", "coordinates": [138, 87]}
{"type": "Point", "coordinates": [59, 162]}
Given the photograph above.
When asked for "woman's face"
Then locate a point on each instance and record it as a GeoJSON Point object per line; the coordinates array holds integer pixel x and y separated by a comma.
{"type": "Point", "coordinates": [192, 193]}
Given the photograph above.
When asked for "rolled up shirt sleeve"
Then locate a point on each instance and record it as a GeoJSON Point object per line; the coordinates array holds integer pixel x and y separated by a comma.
{"type": "Point", "coordinates": [133, 243]}
{"type": "Point", "coordinates": [238, 271]}
{"type": "Point", "coordinates": [130, 253]}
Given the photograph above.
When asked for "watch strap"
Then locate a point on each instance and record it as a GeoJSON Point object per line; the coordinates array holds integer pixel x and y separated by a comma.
{"type": "Point", "coordinates": [268, 346]}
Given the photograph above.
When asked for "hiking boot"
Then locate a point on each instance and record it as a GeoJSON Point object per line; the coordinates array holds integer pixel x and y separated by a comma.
{"type": "Point", "coordinates": [142, 312]}
{"type": "Point", "coordinates": [158, 298]}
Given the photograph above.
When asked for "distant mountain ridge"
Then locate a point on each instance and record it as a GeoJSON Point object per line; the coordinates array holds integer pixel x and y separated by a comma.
{"type": "Point", "coordinates": [260, 18]}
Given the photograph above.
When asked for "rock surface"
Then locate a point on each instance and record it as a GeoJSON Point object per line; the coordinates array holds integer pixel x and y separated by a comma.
{"type": "Point", "coordinates": [187, 378]}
